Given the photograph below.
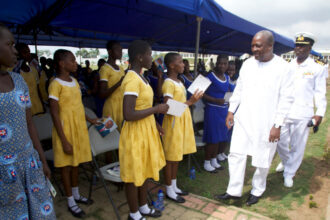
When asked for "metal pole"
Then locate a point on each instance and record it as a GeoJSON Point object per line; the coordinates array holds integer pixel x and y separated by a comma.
{"type": "Point", "coordinates": [199, 20]}
{"type": "Point", "coordinates": [35, 41]}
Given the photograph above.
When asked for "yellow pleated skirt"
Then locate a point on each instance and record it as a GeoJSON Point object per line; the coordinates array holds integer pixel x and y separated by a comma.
{"type": "Point", "coordinates": [141, 154]}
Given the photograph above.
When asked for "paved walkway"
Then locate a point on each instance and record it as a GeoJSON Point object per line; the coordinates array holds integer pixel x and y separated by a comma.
{"type": "Point", "coordinates": [195, 207]}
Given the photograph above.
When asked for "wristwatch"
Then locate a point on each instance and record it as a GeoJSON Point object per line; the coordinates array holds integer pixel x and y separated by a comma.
{"type": "Point", "coordinates": [277, 126]}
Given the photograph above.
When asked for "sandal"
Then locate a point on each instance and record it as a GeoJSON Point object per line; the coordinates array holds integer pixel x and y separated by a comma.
{"type": "Point", "coordinates": [83, 200]}
{"type": "Point", "coordinates": [76, 211]}
{"type": "Point", "coordinates": [153, 213]}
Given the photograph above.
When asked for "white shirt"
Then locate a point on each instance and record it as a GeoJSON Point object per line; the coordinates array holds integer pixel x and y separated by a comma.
{"type": "Point", "coordinates": [262, 97]}
{"type": "Point", "coordinates": [309, 87]}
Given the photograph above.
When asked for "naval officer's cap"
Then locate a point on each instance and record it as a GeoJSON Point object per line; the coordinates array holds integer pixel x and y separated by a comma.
{"type": "Point", "coordinates": [304, 38]}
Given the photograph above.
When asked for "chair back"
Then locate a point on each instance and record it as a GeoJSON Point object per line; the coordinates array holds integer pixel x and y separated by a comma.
{"type": "Point", "coordinates": [91, 114]}
{"type": "Point", "coordinates": [198, 112]}
{"type": "Point", "coordinates": [101, 144]}
{"type": "Point", "coordinates": [44, 125]}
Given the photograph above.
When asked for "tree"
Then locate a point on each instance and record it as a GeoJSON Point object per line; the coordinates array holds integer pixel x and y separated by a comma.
{"type": "Point", "coordinates": [46, 53]}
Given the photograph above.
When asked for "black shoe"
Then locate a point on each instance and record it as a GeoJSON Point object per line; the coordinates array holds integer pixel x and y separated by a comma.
{"type": "Point", "coordinates": [153, 213]}
{"type": "Point", "coordinates": [225, 196]}
{"type": "Point", "coordinates": [83, 200]}
{"type": "Point", "coordinates": [74, 211]}
{"type": "Point", "coordinates": [213, 171]}
{"type": "Point", "coordinates": [178, 199]}
{"type": "Point", "coordinates": [220, 168]}
{"type": "Point", "coordinates": [182, 193]}
{"type": "Point", "coordinates": [252, 200]}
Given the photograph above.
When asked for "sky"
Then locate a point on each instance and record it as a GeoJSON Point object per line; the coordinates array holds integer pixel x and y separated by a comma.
{"type": "Point", "coordinates": [286, 17]}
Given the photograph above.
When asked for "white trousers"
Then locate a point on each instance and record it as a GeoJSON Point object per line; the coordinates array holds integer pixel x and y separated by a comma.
{"type": "Point", "coordinates": [295, 134]}
{"type": "Point", "coordinates": [237, 165]}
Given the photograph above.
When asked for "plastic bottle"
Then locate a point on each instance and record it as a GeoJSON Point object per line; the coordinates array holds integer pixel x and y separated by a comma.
{"type": "Point", "coordinates": [159, 203]}
{"type": "Point", "coordinates": [192, 174]}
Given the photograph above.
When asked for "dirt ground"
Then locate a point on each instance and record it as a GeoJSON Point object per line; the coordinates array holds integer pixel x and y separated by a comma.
{"type": "Point", "coordinates": [320, 189]}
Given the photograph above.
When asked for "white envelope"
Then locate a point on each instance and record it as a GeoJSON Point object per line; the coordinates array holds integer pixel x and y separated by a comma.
{"type": "Point", "coordinates": [201, 83]}
{"type": "Point", "coordinates": [176, 108]}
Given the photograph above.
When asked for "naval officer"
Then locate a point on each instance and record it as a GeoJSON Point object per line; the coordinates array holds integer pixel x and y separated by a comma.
{"type": "Point", "coordinates": [309, 88]}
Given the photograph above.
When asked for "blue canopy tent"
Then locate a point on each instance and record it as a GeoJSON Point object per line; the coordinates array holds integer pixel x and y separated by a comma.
{"type": "Point", "coordinates": [168, 25]}
{"type": "Point", "coordinates": [186, 25]}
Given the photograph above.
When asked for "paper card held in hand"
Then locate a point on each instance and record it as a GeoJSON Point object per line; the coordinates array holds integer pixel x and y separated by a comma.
{"type": "Point", "coordinates": [201, 83]}
{"type": "Point", "coordinates": [176, 108]}
{"type": "Point", "coordinates": [106, 126]}
{"type": "Point", "coordinates": [227, 96]}
{"type": "Point", "coordinates": [51, 188]}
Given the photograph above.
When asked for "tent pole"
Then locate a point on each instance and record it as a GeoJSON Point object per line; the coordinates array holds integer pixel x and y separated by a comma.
{"type": "Point", "coordinates": [199, 20]}
{"type": "Point", "coordinates": [35, 41]}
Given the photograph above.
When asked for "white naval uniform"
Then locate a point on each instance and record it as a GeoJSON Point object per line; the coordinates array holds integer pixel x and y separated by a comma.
{"type": "Point", "coordinates": [309, 86]}
{"type": "Point", "coordinates": [262, 97]}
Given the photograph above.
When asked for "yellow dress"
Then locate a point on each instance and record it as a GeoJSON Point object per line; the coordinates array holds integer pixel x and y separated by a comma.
{"type": "Point", "coordinates": [42, 86]}
{"type": "Point", "coordinates": [72, 116]}
{"type": "Point", "coordinates": [179, 138]}
{"type": "Point", "coordinates": [32, 79]}
{"type": "Point", "coordinates": [113, 105]}
{"type": "Point", "coordinates": [141, 154]}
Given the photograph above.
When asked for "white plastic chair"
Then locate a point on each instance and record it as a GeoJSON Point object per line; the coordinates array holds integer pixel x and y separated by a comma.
{"type": "Point", "coordinates": [44, 126]}
{"type": "Point", "coordinates": [91, 114]}
{"type": "Point", "coordinates": [198, 119]}
{"type": "Point", "coordinates": [100, 145]}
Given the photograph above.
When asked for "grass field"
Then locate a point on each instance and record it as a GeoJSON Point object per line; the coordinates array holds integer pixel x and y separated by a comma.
{"type": "Point", "coordinates": [277, 200]}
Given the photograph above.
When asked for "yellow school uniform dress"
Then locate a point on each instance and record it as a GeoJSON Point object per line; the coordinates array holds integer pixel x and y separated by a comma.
{"type": "Point", "coordinates": [42, 86]}
{"type": "Point", "coordinates": [32, 79]}
{"type": "Point", "coordinates": [179, 138]}
{"type": "Point", "coordinates": [141, 153]}
{"type": "Point", "coordinates": [113, 105]}
{"type": "Point", "coordinates": [72, 116]}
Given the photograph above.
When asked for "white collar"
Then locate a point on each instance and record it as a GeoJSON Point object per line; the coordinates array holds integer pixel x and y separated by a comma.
{"type": "Point", "coordinates": [66, 83]}
{"type": "Point", "coordinates": [139, 77]}
{"type": "Point", "coordinates": [305, 63]}
{"type": "Point", "coordinates": [112, 67]}
{"type": "Point", "coordinates": [175, 82]}
{"type": "Point", "coordinates": [219, 79]}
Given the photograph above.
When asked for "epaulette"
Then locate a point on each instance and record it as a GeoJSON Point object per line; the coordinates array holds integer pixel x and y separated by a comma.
{"type": "Point", "coordinates": [320, 62]}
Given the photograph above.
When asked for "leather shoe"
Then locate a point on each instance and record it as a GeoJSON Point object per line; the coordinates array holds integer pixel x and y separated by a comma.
{"type": "Point", "coordinates": [178, 199]}
{"type": "Point", "coordinates": [225, 196]}
{"type": "Point", "coordinates": [182, 193]}
{"type": "Point", "coordinates": [252, 200]}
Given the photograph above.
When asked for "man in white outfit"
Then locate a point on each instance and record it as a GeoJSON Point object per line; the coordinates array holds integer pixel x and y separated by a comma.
{"type": "Point", "coordinates": [309, 87]}
{"type": "Point", "coordinates": [262, 98]}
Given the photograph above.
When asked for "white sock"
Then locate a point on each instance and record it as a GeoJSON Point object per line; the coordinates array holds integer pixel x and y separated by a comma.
{"type": "Point", "coordinates": [174, 186]}
{"type": "Point", "coordinates": [145, 209]}
{"type": "Point", "coordinates": [71, 201]}
{"type": "Point", "coordinates": [207, 166]}
{"type": "Point", "coordinates": [136, 216]}
{"type": "Point", "coordinates": [75, 193]}
{"type": "Point", "coordinates": [224, 155]}
{"type": "Point", "coordinates": [170, 192]}
{"type": "Point", "coordinates": [214, 163]}
{"type": "Point", "coordinates": [220, 157]}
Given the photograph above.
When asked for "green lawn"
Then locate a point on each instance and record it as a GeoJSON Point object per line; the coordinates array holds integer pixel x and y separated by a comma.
{"type": "Point", "coordinates": [277, 199]}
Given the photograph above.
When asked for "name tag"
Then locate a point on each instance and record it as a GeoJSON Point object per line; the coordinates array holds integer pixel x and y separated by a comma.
{"type": "Point", "coordinates": [308, 75]}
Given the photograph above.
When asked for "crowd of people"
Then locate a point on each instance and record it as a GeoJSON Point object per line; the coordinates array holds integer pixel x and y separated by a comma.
{"type": "Point", "coordinates": [270, 109]}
